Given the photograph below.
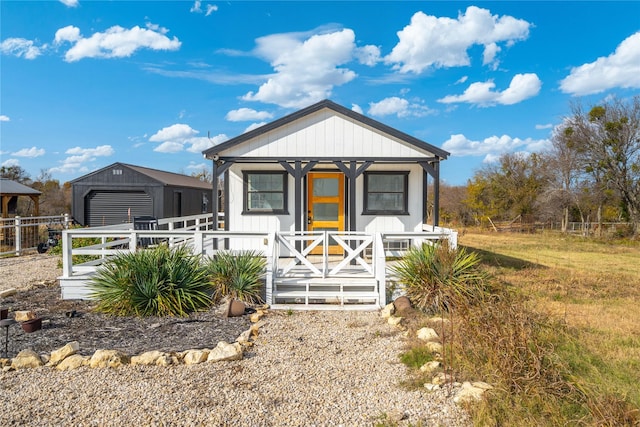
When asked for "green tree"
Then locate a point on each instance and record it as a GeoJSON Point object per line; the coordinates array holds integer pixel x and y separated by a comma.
{"type": "Point", "coordinates": [608, 138]}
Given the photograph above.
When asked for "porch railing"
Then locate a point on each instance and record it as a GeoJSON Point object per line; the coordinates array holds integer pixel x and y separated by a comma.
{"type": "Point", "coordinates": [288, 255]}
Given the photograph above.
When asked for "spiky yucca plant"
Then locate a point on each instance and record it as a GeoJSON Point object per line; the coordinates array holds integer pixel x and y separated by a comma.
{"type": "Point", "coordinates": [237, 275]}
{"type": "Point", "coordinates": [437, 278]}
{"type": "Point", "coordinates": [152, 282]}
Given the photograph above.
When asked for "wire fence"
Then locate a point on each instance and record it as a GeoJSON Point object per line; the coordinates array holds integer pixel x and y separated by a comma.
{"type": "Point", "coordinates": [19, 235]}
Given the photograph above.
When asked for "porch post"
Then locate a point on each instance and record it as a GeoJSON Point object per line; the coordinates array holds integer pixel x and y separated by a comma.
{"type": "Point", "coordinates": [433, 169]}
{"type": "Point", "coordinates": [436, 193]}
{"type": "Point", "coordinates": [214, 198]}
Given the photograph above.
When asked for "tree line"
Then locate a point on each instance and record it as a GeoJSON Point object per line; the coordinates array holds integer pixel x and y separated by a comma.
{"type": "Point", "coordinates": [590, 174]}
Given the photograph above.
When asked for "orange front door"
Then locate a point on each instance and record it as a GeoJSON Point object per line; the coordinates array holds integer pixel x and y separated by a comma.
{"type": "Point", "coordinates": [325, 210]}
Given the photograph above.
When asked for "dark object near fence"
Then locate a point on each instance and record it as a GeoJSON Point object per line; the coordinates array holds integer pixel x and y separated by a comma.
{"type": "Point", "coordinates": [145, 223]}
{"type": "Point", "coordinates": [54, 236]}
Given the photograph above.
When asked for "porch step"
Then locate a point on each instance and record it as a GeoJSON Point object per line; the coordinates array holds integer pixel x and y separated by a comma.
{"type": "Point", "coordinates": [324, 292]}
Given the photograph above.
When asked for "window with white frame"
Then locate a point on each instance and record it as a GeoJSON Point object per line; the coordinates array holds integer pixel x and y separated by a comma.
{"type": "Point", "coordinates": [265, 192]}
{"type": "Point", "coordinates": [386, 193]}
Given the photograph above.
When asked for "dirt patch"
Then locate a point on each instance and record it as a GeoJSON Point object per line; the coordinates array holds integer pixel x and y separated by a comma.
{"type": "Point", "coordinates": [75, 320]}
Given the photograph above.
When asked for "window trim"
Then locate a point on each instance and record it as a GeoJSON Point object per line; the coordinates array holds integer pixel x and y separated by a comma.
{"type": "Point", "coordinates": [405, 190]}
{"type": "Point", "coordinates": [245, 193]}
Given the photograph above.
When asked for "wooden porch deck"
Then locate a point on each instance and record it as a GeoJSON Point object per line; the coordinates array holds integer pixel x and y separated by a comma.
{"type": "Point", "coordinates": [295, 278]}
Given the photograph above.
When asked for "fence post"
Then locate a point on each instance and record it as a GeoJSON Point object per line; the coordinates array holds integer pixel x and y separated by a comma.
{"type": "Point", "coordinates": [67, 221]}
{"type": "Point", "coordinates": [67, 258]}
{"type": "Point", "coordinates": [18, 234]}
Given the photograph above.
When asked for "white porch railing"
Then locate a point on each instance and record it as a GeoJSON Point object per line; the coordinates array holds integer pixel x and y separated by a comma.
{"type": "Point", "coordinates": [302, 259]}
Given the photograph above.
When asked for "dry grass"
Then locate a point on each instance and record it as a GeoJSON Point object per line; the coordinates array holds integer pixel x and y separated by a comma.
{"type": "Point", "coordinates": [591, 286]}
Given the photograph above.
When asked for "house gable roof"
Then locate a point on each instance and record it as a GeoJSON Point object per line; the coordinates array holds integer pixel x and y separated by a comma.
{"type": "Point", "coordinates": [325, 104]}
{"type": "Point", "coordinates": [162, 177]}
{"type": "Point", "coordinates": [14, 188]}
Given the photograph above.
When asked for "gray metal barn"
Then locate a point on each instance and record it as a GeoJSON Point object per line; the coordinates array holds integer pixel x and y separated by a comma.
{"type": "Point", "coordinates": [117, 193]}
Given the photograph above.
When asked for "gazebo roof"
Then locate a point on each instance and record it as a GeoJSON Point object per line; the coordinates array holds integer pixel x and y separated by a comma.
{"type": "Point", "coordinates": [8, 187]}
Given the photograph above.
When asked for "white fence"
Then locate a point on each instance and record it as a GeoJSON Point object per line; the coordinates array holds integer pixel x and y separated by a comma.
{"type": "Point", "coordinates": [20, 234]}
{"type": "Point", "coordinates": [307, 256]}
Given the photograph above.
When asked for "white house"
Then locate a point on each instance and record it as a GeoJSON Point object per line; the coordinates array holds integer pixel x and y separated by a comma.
{"type": "Point", "coordinates": [326, 167]}
{"type": "Point", "coordinates": [324, 194]}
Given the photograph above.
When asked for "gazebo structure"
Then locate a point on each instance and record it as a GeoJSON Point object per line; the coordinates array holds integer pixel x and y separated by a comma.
{"type": "Point", "coordinates": [11, 190]}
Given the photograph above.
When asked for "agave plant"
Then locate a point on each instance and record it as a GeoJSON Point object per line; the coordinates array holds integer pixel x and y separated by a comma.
{"type": "Point", "coordinates": [237, 275]}
{"type": "Point", "coordinates": [152, 282]}
{"type": "Point", "coordinates": [436, 278]}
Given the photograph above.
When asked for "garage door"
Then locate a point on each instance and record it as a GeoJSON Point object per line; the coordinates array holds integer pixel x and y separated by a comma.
{"type": "Point", "coordinates": [116, 207]}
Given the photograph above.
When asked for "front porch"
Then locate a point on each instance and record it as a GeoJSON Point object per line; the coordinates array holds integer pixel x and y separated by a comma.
{"type": "Point", "coordinates": [300, 271]}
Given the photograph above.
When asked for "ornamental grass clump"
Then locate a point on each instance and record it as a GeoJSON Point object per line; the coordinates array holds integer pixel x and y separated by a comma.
{"type": "Point", "coordinates": [152, 282]}
{"type": "Point", "coordinates": [237, 275]}
{"type": "Point", "coordinates": [437, 278]}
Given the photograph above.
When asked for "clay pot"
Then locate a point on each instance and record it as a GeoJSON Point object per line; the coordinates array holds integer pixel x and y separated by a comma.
{"type": "Point", "coordinates": [32, 325]}
{"type": "Point", "coordinates": [235, 308]}
{"type": "Point", "coordinates": [4, 313]}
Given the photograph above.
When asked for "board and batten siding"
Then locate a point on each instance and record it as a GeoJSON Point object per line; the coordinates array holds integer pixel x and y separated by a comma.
{"type": "Point", "coordinates": [368, 223]}
{"type": "Point", "coordinates": [393, 223]}
{"type": "Point", "coordinates": [321, 135]}
{"type": "Point", "coordinates": [255, 222]}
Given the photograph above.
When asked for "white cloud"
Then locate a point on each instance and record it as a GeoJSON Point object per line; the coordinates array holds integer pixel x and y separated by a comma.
{"type": "Point", "coordinates": [210, 9]}
{"type": "Point", "coordinates": [433, 42]}
{"type": "Point", "coordinates": [545, 126]}
{"type": "Point", "coordinates": [10, 162]}
{"type": "Point", "coordinates": [4, 118]}
{"type": "Point", "coordinates": [357, 108]}
{"type": "Point", "coordinates": [460, 145]}
{"type": "Point", "coordinates": [522, 86]}
{"type": "Point", "coordinates": [462, 80]}
{"type": "Point", "coordinates": [253, 126]}
{"type": "Point", "coordinates": [174, 138]}
{"type": "Point", "coordinates": [80, 157]}
{"type": "Point", "coordinates": [198, 145]}
{"type": "Point", "coordinates": [398, 106]}
{"type": "Point", "coordinates": [70, 3]}
{"type": "Point", "coordinates": [169, 147]}
{"type": "Point", "coordinates": [196, 8]}
{"type": "Point", "coordinates": [29, 152]}
{"type": "Point", "coordinates": [247, 114]}
{"type": "Point", "coordinates": [307, 67]}
{"type": "Point", "coordinates": [22, 48]}
{"type": "Point", "coordinates": [115, 42]}
{"type": "Point", "coordinates": [175, 132]}
{"type": "Point", "coordinates": [620, 69]}
{"type": "Point", "coordinates": [368, 55]}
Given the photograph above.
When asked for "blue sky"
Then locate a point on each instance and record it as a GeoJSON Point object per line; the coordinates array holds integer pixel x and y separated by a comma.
{"type": "Point", "coordinates": [153, 83]}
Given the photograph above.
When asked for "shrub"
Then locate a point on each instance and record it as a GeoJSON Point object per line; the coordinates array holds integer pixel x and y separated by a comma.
{"type": "Point", "coordinates": [152, 282]}
{"type": "Point", "coordinates": [437, 278]}
{"type": "Point", "coordinates": [237, 274]}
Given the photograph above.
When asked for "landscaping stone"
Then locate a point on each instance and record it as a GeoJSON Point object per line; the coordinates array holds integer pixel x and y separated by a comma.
{"type": "Point", "coordinates": [74, 361]}
{"type": "Point", "coordinates": [427, 334]}
{"type": "Point", "coordinates": [193, 357]}
{"type": "Point", "coordinates": [225, 351]}
{"type": "Point", "coordinates": [108, 359]}
{"type": "Point", "coordinates": [26, 359]}
{"type": "Point", "coordinates": [147, 358]}
{"type": "Point", "coordinates": [388, 311]}
{"type": "Point", "coordinates": [469, 392]}
{"type": "Point", "coordinates": [24, 315]}
{"type": "Point", "coordinates": [60, 354]}
{"type": "Point", "coordinates": [394, 321]}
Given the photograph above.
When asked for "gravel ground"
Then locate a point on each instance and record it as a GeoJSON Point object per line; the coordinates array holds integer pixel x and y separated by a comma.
{"type": "Point", "coordinates": [305, 369]}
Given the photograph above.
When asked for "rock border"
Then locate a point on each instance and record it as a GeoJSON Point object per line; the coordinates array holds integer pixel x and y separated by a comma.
{"type": "Point", "coordinates": [66, 357]}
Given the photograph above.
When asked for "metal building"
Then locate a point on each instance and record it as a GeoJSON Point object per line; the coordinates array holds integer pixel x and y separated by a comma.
{"type": "Point", "coordinates": [119, 192]}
